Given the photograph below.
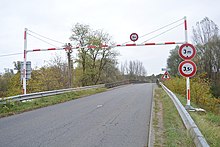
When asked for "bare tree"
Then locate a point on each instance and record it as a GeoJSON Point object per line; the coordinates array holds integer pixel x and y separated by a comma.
{"type": "Point", "coordinates": [134, 70]}
{"type": "Point", "coordinates": [205, 36]}
{"type": "Point", "coordinates": [204, 31]}
{"type": "Point", "coordinates": [207, 40]}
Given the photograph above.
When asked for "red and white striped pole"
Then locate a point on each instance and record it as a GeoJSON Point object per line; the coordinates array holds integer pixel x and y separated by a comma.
{"type": "Point", "coordinates": [24, 90]}
{"type": "Point", "coordinates": [187, 78]}
{"type": "Point", "coordinates": [185, 27]}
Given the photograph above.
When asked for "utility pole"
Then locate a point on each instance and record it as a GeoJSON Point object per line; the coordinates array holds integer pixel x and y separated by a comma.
{"type": "Point", "coordinates": [69, 51]}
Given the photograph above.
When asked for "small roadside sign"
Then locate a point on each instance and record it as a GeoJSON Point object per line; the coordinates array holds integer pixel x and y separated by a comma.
{"type": "Point", "coordinates": [187, 51]}
{"type": "Point", "coordinates": [165, 76]}
{"type": "Point", "coordinates": [187, 68]}
{"type": "Point", "coordinates": [134, 37]}
{"type": "Point", "coordinates": [165, 69]}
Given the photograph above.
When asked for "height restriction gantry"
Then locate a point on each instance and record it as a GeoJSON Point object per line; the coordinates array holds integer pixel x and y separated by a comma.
{"type": "Point", "coordinates": [134, 37]}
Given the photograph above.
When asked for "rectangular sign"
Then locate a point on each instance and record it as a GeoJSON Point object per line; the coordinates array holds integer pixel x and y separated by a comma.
{"type": "Point", "coordinates": [165, 69]}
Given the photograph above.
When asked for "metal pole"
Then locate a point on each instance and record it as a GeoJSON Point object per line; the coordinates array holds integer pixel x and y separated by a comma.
{"type": "Point", "coordinates": [185, 27]}
{"type": "Point", "coordinates": [24, 91]}
{"type": "Point", "coordinates": [187, 78]}
{"type": "Point", "coordinates": [188, 92]}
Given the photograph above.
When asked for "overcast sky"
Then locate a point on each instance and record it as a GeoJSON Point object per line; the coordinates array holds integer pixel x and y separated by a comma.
{"type": "Point", "coordinates": [119, 18]}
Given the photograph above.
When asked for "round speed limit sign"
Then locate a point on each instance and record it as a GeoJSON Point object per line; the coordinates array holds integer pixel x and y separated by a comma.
{"type": "Point", "coordinates": [187, 68]}
{"type": "Point", "coordinates": [134, 37]}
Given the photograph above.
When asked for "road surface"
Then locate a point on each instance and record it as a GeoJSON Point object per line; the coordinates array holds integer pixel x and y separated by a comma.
{"type": "Point", "coordinates": [116, 118]}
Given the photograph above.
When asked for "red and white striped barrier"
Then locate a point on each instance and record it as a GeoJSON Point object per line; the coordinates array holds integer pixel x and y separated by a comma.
{"type": "Point", "coordinates": [134, 44]}
{"type": "Point", "coordinates": [51, 49]}
{"type": "Point", "coordinates": [48, 49]}
{"type": "Point", "coordinates": [110, 46]}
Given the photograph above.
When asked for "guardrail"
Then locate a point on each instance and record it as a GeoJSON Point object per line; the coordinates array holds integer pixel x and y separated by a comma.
{"type": "Point", "coordinates": [55, 92]}
{"type": "Point", "coordinates": [115, 84]}
{"type": "Point", "coordinates": [190, 125]}
{"type": "Point", "coordinates": [47, 93]}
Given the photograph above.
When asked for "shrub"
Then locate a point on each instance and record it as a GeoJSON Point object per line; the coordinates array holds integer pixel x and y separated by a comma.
{"type": "Point", "coordinates": [200, 90]}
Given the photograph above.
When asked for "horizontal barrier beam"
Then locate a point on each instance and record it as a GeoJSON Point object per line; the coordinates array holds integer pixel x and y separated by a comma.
{"type": "Point", "coordinates": [107, 46]}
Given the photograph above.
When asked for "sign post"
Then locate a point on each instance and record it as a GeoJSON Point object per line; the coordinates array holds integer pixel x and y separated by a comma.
{"type": "Point", "coordinates": [187, 68]}
{"type": "Point", "coordinates": [24, 91]}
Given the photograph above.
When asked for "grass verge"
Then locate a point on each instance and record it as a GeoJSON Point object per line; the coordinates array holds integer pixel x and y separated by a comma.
{"type": "Point", "coordinates": [11, 108]}
{"type": "Point", "coordinates": [208, 123]}
{"type": "Point", "coordinates": [173, 131]}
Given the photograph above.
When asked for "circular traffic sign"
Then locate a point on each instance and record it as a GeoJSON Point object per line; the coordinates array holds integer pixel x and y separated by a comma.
{"type": "Point", "coordinates": [134, 37]}
{"type": "Point", "coordinates": [187, 68]}
{"type": "Point", "coordinates": [187, 51]}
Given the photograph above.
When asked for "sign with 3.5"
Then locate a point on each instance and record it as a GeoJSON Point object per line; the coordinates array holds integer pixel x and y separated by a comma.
{"type": "Point", "coordinates": [187, 68]}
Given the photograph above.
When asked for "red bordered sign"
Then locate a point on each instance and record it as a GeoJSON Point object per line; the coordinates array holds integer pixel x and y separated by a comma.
{"type": "Point", "coordinates": [134, 37]}
{"type": "Point", "coordinates": [187, 68]}
{"type": "Point", "coordinates": [187, 51]}
{"type": "Point", "coordinates": [165, 76]}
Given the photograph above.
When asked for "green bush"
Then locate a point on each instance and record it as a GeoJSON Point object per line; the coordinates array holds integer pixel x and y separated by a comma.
{"type": "Point", "coordinates": [200, 91]}
{"type": "Point", "coordinates": [177, 85]}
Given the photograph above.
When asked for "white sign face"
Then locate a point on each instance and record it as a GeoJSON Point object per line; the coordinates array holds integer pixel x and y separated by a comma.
{"type": "Point", "coordinates": [187, 68]}
{"type": "Point", "coordinates": [134, 37]}
{"type": "Point", "coordinates": [187, 51]}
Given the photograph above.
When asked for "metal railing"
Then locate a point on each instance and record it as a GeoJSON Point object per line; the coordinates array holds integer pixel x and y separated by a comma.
{"type": "Point", "coordinates": [115, 84]}
{"type": "Point", "coordinates": [190, 125]}
{"type": "Point", "coordinates": [55, 92]}
{"type": "Point", "coordinates": [47, 93]}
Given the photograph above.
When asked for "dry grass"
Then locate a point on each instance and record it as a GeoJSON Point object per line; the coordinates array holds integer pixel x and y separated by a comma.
{"type": "Point", "coordinates": [209, 125]}
{"type": "Point", "coordinates": [174, 132]}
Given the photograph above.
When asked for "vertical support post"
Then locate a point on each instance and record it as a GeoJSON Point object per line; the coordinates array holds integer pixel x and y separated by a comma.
{"type": "Point", "coordinates": [185, 27]}
{"type": "Point", "coordinates": [69, 70]}
{"type": "Point", "coordinates": [188, 92]}
{"type": "Point", "coordinates": [187, 78]}
{"type": "Point", "coordinates": [24, 91]}
{"type": "Point", "coordinates": [69, 51]}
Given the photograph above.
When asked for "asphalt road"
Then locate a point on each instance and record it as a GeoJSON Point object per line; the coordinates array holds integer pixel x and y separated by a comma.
{"type": "Point", "coordinates": [116, 118]}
